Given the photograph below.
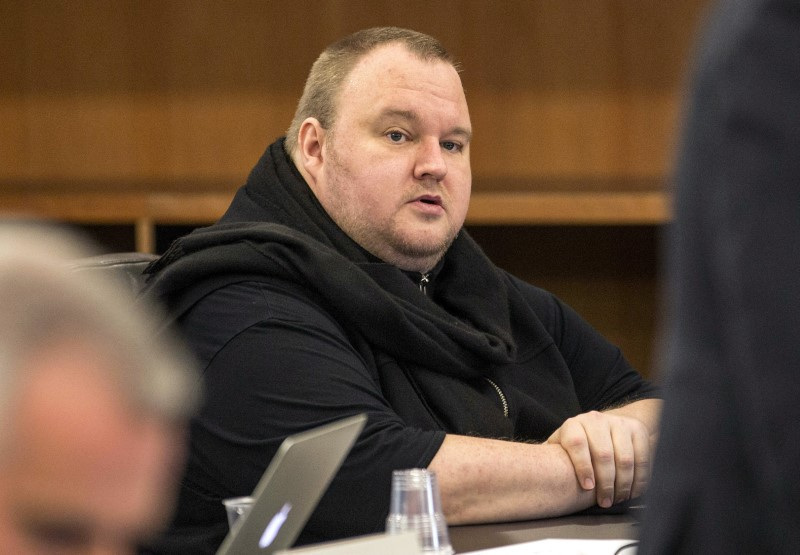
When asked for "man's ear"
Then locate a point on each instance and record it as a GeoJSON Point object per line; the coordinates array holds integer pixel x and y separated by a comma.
{"type": "Point", "coordinates": [310, 146]}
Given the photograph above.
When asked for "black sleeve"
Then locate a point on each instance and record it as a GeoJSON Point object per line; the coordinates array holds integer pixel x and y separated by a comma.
{"type": "Point", "coordinates": [601, 375]}
{"type": "Point", "coordinates": [290, 369]}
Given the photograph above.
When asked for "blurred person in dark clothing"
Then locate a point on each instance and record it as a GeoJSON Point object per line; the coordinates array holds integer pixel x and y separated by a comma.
{"type": "Point", "coordinates": [725, 475]}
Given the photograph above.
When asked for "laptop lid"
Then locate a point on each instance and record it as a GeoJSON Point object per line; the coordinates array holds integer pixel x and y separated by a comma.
{"type": "Point", "coordinates": [291, 487]}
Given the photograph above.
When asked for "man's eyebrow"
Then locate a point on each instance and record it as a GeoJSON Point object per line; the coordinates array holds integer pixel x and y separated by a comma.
{"type": "Point", "coordinates": [408, 115]}
{"type": "Point", "coordinates": [412, 116]}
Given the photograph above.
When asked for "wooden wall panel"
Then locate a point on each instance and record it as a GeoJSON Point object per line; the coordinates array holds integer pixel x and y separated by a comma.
{"type": "Point", "coordinates": [608, 274]}
{"type": "Point", "coordinates": [582, 91]}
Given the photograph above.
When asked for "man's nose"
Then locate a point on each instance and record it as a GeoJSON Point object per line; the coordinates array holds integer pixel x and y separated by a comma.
{"type": "Point", "coordinates": [430, 163]}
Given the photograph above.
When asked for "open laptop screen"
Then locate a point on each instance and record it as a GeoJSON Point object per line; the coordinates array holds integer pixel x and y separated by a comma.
{"type": "Point", "coordinates": [291, 487]}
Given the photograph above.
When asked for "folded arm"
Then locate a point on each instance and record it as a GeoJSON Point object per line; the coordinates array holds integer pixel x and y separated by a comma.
{"type": "Point", "coordinates": [487, 480]}
{"type": "Point", "coordinates": [592, 458]}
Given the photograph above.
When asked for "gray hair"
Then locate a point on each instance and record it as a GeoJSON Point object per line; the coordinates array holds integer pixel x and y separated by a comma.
{"type": "Point", "coordinates": [324, 82]}
{"type": "Point", "coordinates": [44, 301]}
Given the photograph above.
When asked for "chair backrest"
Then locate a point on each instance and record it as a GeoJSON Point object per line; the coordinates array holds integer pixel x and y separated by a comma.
{"type": "Point", "coordinates": [127, 267]}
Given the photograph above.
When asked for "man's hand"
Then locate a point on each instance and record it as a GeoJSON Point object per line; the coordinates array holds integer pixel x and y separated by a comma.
{"type": "Point", "coordinates": [490, 480]}
{"type": "Point", "coordinates": [611, 453]}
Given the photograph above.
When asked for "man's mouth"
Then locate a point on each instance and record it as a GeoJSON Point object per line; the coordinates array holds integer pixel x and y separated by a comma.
{"type": "Point", "coordinates": [428, 199]}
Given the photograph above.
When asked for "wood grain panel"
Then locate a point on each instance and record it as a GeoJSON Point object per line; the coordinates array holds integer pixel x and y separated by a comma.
{"type": "Point", "coordinates": [584, 89]}
{"type": "Point", "coordinates": [608, 274]}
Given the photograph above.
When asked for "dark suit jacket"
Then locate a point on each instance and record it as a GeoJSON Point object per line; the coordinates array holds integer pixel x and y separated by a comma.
{"type": "Point", "coordinates": [727, 470]}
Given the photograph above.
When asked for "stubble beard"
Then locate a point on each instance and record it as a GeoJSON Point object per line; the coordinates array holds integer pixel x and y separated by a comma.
{"type": "Point", "coordinates": [411, 250]}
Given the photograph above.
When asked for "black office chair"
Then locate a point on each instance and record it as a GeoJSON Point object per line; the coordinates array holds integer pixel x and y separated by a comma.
{"type": "Point", "coordinates": [127, 267]}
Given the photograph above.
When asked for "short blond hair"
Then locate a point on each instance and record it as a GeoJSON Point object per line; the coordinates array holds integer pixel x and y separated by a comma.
{"type": "Point", "coordinates": [324, 82]}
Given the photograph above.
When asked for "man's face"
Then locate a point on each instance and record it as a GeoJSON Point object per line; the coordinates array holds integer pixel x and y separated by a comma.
{"type": "Point", "coordinates": [80, 471]}
{"type": "Point", "coordinates": [396, 174]}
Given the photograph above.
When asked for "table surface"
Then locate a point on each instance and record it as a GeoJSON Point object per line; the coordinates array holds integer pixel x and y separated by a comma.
{"type": "Point", "coordinates": [484, 536]}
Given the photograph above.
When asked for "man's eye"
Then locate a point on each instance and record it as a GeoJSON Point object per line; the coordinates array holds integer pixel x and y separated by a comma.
{"type": "Point", "coordinates": [451, 146]}
{"type": "Point", "coordinates": [396, 136]}
{"type": "Point", "coordinates": [59, 537]}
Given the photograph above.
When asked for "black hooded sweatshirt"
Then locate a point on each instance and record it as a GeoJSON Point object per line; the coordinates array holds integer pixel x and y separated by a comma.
{"type": "Point", "coordinates": [296, 325]}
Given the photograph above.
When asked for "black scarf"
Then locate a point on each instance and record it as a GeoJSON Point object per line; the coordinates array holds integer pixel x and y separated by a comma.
{"type": "Point", "coordinates": [432, 354]}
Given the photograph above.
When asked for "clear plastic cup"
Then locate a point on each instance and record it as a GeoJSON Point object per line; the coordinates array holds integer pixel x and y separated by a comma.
{"type": "Point", "coordinates": [416, 505]}
{"type": "Point", "coordinates": [236, 507]}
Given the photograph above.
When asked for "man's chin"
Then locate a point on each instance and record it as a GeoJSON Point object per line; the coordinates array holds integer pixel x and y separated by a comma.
{"type": "Point", "coordinates": [420, 255]}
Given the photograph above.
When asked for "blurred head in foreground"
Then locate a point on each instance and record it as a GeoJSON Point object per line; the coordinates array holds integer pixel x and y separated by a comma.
{"type": "Point", "coordinates": [92, 404]}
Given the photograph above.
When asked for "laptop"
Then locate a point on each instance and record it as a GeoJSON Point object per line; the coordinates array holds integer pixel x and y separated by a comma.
{"type": "Point", "coordinates": [291, 487]}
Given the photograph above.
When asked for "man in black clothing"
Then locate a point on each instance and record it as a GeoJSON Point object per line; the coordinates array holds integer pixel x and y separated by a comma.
{"type": "Point", "coordinates": [725, 475]}
{"type": "Point", "coordinates": [341, 281]}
